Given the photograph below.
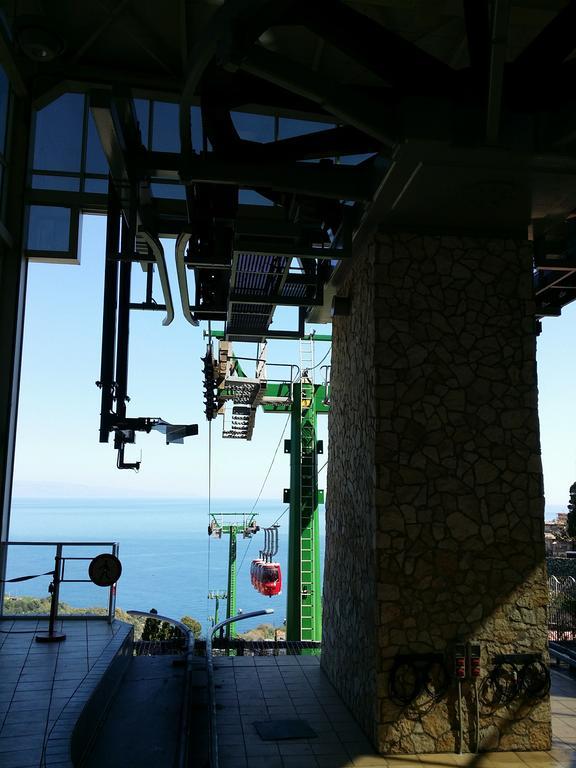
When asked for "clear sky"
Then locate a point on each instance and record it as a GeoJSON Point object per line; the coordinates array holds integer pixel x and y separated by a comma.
{"type": "Point", "coordinates": [58, 452]}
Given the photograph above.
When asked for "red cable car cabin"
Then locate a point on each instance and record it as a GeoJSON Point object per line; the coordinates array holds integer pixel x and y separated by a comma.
{"type": "Point", "coordinates": [271, 579]}
{"type": "Point", "coordinates": [255, 564]}
{"type": "Point", "coordinates": [266, 577]}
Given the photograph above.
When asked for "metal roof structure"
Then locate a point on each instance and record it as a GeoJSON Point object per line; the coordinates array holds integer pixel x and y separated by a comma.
{"type": "Point", "coordinates": [274, 134]}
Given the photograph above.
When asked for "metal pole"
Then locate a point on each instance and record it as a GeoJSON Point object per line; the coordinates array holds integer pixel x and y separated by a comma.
{"type": "Point", "coordinates": [52, 636]}
{"type": "Point", "coordinates": [210, 669]}
{"type": "Point", "coordinates": [231, 600]}
{"type": "Point", "coordinates": [13, 276]}
{"type": "Point", "coordinates": [127, 250]}
{"type": "Point", "coordinates": [112, 591]}
{"type": "Point", "coordinates": [110, 304]}
{"type": "Point", "coordinates": [294, 591]}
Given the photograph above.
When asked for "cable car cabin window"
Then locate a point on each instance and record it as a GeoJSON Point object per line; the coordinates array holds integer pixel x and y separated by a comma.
{"type": "Point", "coordinates": [58, 134]}
{"type": "Point", "coordinates": [270, 575]}
{"type": "Point", "coordinates": [253, 127]}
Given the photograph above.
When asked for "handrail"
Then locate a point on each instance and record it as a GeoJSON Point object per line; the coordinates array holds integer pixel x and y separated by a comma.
{"type": "Point", "coordinates": [55, 543]}
{"type": "Point", "coordinates": [214, 763]}
{"type": "Point", "coordinates": [59, 545]}
{"type": "Point", "coordinates": [185, 716]}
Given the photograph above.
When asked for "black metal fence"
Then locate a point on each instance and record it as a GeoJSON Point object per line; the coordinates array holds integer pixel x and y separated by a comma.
{"type": "Point", "coordinates": [562, 612]}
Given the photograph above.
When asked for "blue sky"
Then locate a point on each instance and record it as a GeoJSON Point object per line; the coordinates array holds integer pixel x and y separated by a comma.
{"type": "Point", "coordinates": [58, 452]}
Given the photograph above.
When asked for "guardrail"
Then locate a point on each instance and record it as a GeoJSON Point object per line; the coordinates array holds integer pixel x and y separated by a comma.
{"type": "Point", "coordinates": [60, 559]}
{"type": "Point", "coordinates": [186, 712]}
{"type": "Point", "coordinates": [214, 760]}
{"type": "Point", "coordinates": [564, 653]}
{"type": "Point", "coordinates": [562, 608]}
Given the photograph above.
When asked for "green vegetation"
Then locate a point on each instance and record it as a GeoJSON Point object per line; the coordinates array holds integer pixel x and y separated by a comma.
{"type": "Point", "coordinates": [26, 605]}
{"type": "Point", "coordinates": [163, 630]}
{"type": "Point", "coordinates": [263, 632]}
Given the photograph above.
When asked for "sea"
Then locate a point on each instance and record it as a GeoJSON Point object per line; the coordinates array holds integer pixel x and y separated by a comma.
{"type": "Point", "coordinates": [169, 562]}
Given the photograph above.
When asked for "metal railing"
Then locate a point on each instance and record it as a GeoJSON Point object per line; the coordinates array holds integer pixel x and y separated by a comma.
{"type": "Point", "coordinates": [562, 608]}
{"type": "Point", "coordinates": [214, 760]}
{"type": "Point", "coordinates": [60, 559]}
{"type": "Point", "coordinates": [186, 711]}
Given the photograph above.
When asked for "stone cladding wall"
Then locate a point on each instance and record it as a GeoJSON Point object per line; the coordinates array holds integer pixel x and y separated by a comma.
{"type": "Point", "coordinates": [441, 342]}
{"type": "Point", "coordinates": [350, 605]}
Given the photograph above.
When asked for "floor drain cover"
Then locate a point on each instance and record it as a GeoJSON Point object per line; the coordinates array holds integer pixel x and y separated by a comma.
{"type": "Point", "coordinates": [277, 730]}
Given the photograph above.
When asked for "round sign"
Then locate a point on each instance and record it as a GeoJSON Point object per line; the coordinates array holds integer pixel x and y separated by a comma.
{"type": "Point", "coordinates": [105, 570]}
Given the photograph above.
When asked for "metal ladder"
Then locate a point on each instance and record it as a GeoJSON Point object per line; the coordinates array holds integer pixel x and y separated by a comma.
{"type": "Point", "coordinates": [308, 490]}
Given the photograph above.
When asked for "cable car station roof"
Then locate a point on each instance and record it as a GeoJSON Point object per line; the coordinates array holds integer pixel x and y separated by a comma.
{"type": "Point", "coordinates": [270, 136]}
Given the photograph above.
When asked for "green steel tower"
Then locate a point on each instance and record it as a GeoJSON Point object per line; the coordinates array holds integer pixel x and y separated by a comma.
{"type": "Point", "coordinates": [217, 529]}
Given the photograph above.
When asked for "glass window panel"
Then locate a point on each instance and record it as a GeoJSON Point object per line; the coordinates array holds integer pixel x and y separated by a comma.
{"type": "Point", "coordinates": [168, 191]}
{"type": "Point", "coordinates": [355, 159]}
{"type": "Point", "coordinates": [254, 127]}
{"type": "Point", "coordinates": [289, 127]}
{"type": "Point", "coordinates": [4, 92]}
{"type": "Point", "coordinates": [249, 197]}
{"type": "Point", "coordinates": [95, 158]}
{"type": "Point", "coordinates": [165, 129]}
{"type": "Point", "coordinates": [197, 130]}
{"type": "Point", "coordinates": [100, 186]}
{"type": "Point", "coordinates": [64, 183]}
{"type": "Point", "coordinates": [58, 134]}
{"type": "Point", "coordinates": [142, 114]}
{"type": "Point", "coordinates": [48, 228]}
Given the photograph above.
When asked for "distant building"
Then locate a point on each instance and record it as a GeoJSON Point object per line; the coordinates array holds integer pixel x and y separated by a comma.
{"type": "Point", "coordinates": [554, 536]}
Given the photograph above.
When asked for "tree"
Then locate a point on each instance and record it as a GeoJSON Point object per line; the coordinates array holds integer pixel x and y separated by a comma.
{"type": "Point", "coordinates": [571, 525]}
{"type": "Point", "coordinates": [193, 625]}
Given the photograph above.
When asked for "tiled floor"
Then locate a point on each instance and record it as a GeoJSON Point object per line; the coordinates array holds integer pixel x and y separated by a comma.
{"type": "Point", "coordinates": [38, 681]}
{"type": "Point", "coordinates": [249, 689]}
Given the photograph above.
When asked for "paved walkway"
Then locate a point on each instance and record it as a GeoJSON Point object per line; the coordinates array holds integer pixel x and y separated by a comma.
{"type": "Point", "coordinates": [43, 687]}
{"type": "Point", "coordinates": [250, 689]}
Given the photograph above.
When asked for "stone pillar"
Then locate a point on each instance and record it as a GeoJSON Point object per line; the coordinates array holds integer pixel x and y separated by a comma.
{"type": "Point", "coordinates": [435, 509]}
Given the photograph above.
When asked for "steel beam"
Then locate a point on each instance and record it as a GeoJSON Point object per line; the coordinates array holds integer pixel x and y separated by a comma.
{"type": "Point", "coordinates": [499, 46]}
{"type": "Point", "coordinates": [11, 66]}
{"type": "Point", "coordinates": [274, 299]}
{"type": "Point", "coordinates": [13, 274]}
{"type": "Point", "coordinates": [388, 55]}
{"type": "Point", "coordinates": [345, 182]}
{"type": "Point", "coordinates": [270, 248]}
{"type": "Point", "coordinates": [333, 142]}
{"type": "Point", "coordinates": [362, 113]}
{"type": "Point", "coordinates": [550, 48]}
{"type": "Point", "coordinates": [477, 22]}
{"type": "Point", "coordinates": [109, 308]}
{"type": "Point", "coordinates": [338, 182]}
{"type": "Point", "coordinates": [128, 239]}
